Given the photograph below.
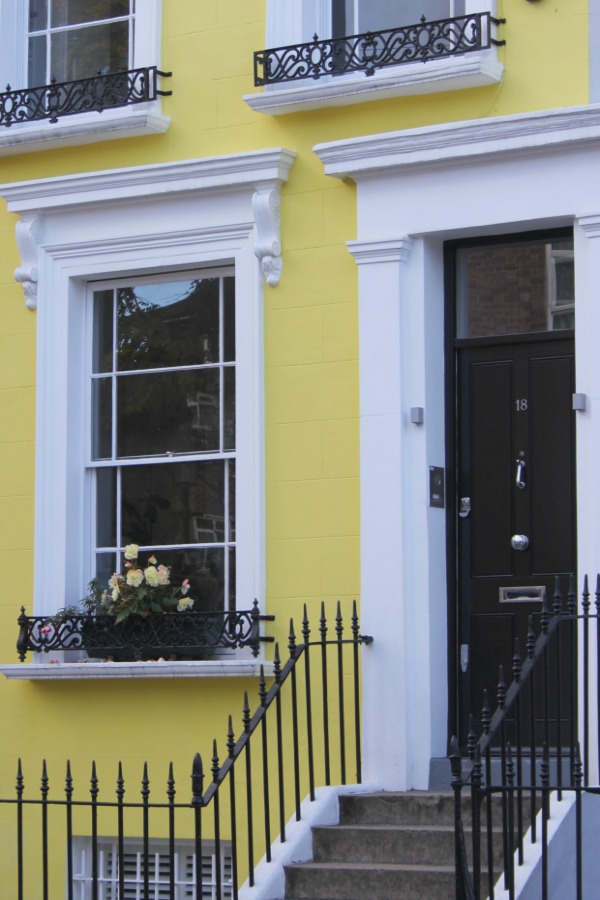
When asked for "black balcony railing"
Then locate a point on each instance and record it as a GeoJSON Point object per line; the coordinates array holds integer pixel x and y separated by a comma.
{"type": "Point", "coordinates": [176, 635]}
{"type": "Point", "coordinates": [68, 98]}
{"type": "Point", "coordinates": [376, 50]}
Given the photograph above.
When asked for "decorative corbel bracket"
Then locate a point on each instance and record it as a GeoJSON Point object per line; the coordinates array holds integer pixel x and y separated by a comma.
{"type": "Point", "coordinates": [266, 205]}
{"type": "Point", "coordinates": [28, 233]}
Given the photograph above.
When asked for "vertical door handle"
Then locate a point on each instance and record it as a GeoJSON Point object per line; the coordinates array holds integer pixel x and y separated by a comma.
{"type": "Point", "coordinates": [520, 476]}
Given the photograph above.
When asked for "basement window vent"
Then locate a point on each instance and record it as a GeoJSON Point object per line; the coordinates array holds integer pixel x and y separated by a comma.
{"type": "Point", "coordinates": [158, 870]}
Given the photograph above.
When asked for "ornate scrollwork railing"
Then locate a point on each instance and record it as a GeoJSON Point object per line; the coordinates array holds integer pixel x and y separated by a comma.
{"type": "Point", "coordinates": [376, 50]}
{"type": "Point", "coordinates": [53, 101]}
{"type": "Point", "coordinates": [183, 635]}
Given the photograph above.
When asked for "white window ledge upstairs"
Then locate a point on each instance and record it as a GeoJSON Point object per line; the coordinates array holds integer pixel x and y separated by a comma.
{"type": "Point", "coordinates": [434, 76]}
{"type": "Point", "coordinates": [88, 128]}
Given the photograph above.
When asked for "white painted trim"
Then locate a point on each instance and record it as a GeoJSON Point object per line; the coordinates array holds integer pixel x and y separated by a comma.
{"type": "Point", "coordinates": [418, 188]}
{"type": "Point", "coordinates": [546, 131]}
{"type": "Point", "coordinates": [260, 168]}
{"type": "Point", "coordinates": [433, 77]}
{"type": "Point", "coordinates": [532, 853]}
{"type": "Point", "coordinates": [269, 877]}
{"type": "Point", "coordinates": [119, 223]}
{"type": "Point", "coordinates": [93, 671]}
{"type": "Point", "coordinates": [93, 127]}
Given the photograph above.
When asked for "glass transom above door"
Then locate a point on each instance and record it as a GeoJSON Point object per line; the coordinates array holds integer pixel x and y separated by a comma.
{"type": "Point", "coordinates": [515, 287]}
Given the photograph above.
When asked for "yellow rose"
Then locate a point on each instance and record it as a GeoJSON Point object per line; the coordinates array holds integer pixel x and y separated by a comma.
{"type": "Point", "coordinates": [135, 577]}
{"type": "Point", "coordinates": [151, 576]}
{"type": "Point", "coordinates": [185, 603]}
{"type": "Point", "coordinates": [131, 551]}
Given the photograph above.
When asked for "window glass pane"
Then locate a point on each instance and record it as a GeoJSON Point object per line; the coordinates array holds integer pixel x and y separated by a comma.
{"type": "Point", "coordinates": [36, 72]}
{"type": "Point", "coordinates": [106, 564]}
{"type": "Point", "coordinates": [85, 52]}
{"type": "Point", "coordinates": [511, 288]}
{"type": "Point", "coordinates": [229, 316]}
{"type": "Point", "coordinates": [173, 504]}
{"type": "Point", "coordinates": [168, 412]}
{"type": "Point", "coordinates": [102, 418]}
{"type": "Point", "coordinates": [232, 591]}
{"type": "Point", "coordinates": [231, 467]}
{"type": "Point", "coordinates": [170, 324]}
{"type": "Point", "coordinates": [357, 16]}
{"type": "Point", "coordinates": [38, 15]}
{"type": "Point", "coordinates": [74, 12]}
{"type": "Point", "coordinates": [229, 424]}
{"type": "Point", "coordinates": [106, 507]}
{"type": "Point", "coordinates": [102, 352]}
{"type": "Point", "coordinates": [565, 281]}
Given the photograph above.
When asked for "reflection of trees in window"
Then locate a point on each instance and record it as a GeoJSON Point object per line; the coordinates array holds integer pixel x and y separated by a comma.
{"type": "Point", "coordinates": [78, 39]}
{"type": "Point", "coordinates": [163, 394]}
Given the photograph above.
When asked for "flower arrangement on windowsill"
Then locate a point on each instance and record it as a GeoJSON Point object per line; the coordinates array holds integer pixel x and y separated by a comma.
{"type": "Point", "coordinates": [142, 615]}
{"type": "Point", "coordinates": [140, 591]}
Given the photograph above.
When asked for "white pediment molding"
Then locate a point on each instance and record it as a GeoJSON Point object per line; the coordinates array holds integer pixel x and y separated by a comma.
{"type": "Point", "coordinates": [548, 131]}
{"type": "Point", "coordinates": [259, 175]}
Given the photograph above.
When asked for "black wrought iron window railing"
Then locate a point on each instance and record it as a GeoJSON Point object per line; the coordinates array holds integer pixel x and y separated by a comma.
{"type": "Point", "coordinates": [178, 635]}
{"type": "Point", "coordinates": [368, 52]}
{"type": "Point", "coordinates": [68, 98]}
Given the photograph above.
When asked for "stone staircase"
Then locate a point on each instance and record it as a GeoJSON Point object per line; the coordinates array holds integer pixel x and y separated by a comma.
{"type": "Point", "coordinates": [388, 846]}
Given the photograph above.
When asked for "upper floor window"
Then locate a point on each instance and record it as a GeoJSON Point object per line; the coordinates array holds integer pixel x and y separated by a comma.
{"type": "Point", "coordinates": [62, 61]}
{"type": "Point", "coordinates": [72, 39]}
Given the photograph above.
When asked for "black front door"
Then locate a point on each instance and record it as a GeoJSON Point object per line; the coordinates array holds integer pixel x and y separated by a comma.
{"type": "Point", "coordinates": [514, 516]}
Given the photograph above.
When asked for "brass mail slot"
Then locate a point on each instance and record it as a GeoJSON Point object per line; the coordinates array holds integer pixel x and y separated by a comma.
{"type": "Point", "coordinates": [534, 594]}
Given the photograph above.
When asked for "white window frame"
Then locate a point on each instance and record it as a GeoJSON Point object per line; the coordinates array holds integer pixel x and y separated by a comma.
{"type": "Point", "coordinates": [220, 211]}
{"type": "Point", "coordinates": [209, 542]}
{"type": "Point", "coordinates": [107, 848]}
{"type": "Point", "coordinates": [296, 21]}
{"type": "Point", "coordinates": [554, 258]}
{"type": "Point", "coordinates": [130, 121]}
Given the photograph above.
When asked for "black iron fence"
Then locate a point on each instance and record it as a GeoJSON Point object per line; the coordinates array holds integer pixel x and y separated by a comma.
{"type": "Point", "coordinates": [535, 748]}
{"type": "Point", "coordinates": [376, 50]}
{"type": "Point", "coordinates": [69, 98]}
{"type": "Point", "coordinates": [304, 732]}
{"type": "Point", "coordinates": [173, 635]}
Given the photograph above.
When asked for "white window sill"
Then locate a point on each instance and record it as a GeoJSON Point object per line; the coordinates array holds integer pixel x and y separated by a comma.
{"type": "Point", "coordinates": [456, 73]}
{"type": "Point", "coordinates": [217, 668]}
{"type": "Point", "coordinates": [87, 128]}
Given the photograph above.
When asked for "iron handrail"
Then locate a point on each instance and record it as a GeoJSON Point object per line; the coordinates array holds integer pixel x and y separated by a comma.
{"type": "Point", "coordinates": [308, 721]}
{"type": "Point", "coordinates": [550, 668]}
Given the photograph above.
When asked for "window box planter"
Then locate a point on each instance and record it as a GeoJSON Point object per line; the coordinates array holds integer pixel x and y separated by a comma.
{"type": "Point", "coordinates": [178, 635]}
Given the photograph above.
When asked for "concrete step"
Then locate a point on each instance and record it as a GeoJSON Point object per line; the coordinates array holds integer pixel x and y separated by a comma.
{"type": "Point", "coordinates": [410, 808]}
{"type": "Point", "coordinates": [355, 881]}
{"type": "Point", "coordinates": [413, 844]}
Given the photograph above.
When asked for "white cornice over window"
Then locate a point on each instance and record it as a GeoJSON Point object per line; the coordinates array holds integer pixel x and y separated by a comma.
{"type": "Point", "coordinates": [540, 132]}
{"type": "Point", "coordinates": [90, 127]}
{"type": "Point", "coordinates": [296, 21]}
{"type": "Point", "coordinates": [262, 173]}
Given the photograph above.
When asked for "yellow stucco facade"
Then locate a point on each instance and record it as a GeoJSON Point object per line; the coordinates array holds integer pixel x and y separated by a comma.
{"type": "Point", "coordinates": [311, 367]}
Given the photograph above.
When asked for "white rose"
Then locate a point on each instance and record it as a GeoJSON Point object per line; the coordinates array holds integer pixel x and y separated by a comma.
{"type": "Point", "coordinates": [151, 576]}
{"type": "Point", "coordinates": [131, 551]}
{"type": "Point", "coordinates": [135, 577]}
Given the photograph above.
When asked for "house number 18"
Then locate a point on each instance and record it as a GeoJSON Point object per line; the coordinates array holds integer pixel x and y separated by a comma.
{"type": "Point", "coordinates": [521, 404]}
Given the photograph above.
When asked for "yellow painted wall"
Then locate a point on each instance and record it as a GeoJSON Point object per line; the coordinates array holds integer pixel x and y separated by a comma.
{"type": "Point", "coordinates": [311, 361]}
